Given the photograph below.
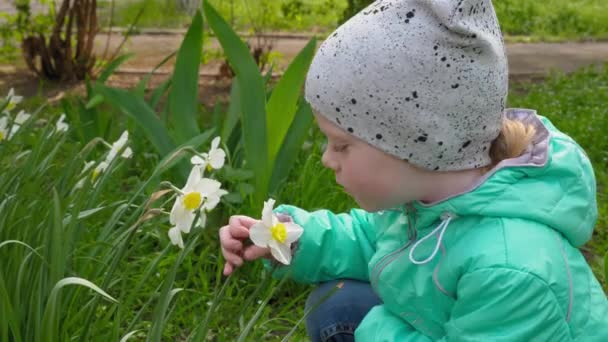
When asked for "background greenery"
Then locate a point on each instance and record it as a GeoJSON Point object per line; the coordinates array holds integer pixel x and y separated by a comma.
{"type": "Point", "coordinates": [539, 20]}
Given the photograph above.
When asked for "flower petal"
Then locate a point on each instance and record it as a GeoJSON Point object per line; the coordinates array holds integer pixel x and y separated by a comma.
{"type": "Point", "coordinates": [281, 252]}
{"type": "Point", "coordinates": [216, 158]}
{"type": "Point", "coordinates": [260, 234]}
{"type": "Point", "coordinates": [267, 212]}
{"type": "Point", "coordinates": [87, 166]}
{"type": "Point", "coordinates": [207, 186]}
{"type": "Point", "coordinates": [215, 143]}
{"type": "Point", "coordinates": [176, 210]}
{"type": "Point", "coordinates": [202, 220]}
{"type": "Point", "coordinates": [197, 160]}
{"type": "Point", "coordinates": [176, 237]}
{"type": "Point", "coordinates": [22, 117]}
{"type": "Point", "coordinates": [127, 153]}
{"type": "Point", "coordinates": [294, 232]}
{"type": "Point", "coordinates": [193, 179]}
{"type": "Point", "coordinates": [184, 221]}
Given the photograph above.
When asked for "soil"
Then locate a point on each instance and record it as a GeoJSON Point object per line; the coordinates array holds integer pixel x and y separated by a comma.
{"type": "Point", "coordinates": [527, 62]}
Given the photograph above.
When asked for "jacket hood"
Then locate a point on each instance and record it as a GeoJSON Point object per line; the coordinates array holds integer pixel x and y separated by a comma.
{"type": "Point", "coordinates": [552, 183]}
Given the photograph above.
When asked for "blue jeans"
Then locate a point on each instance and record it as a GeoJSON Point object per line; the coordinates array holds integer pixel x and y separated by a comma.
{"type": "Point", "coordinates": [336, 318]}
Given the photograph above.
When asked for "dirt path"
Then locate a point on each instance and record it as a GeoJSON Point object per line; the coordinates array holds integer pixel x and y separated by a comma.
{"type": "Point", "coordinates": [527, 61]}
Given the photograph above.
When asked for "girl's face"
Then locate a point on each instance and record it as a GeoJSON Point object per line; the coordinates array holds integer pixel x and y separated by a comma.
{"type": "Point", "coordinates": [375, 179]}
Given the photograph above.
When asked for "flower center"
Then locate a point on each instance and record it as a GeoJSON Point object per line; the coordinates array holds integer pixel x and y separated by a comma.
{"type": "Point", "coordinates": [95, 174]}
{"type": "Point", "coordinates": [279, 232]}
{"type": "Point", "coordinates": [192, 200]}
{"type": "Point", "coordinates": [209, 168]}
{"type": "Point", "coordinates": [1, 136]}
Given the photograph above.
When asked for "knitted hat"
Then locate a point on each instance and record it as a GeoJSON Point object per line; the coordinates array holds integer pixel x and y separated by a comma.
{"type": "Point", "coordinates": [423, 80]}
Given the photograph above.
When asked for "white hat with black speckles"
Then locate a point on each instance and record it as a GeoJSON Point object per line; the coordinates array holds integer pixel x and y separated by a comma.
{"type": "Point", "coordinates": [423, 80]}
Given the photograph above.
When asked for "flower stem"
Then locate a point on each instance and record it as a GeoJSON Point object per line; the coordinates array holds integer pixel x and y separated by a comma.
{"type": "Point", "coordinates": [201, 331]}
{"type": "Point", "coordinates": [171, 186]}
{"type": "Point", "coordinates": [258, 313]}
{"type": "Point", "coordinates": [261, 285]}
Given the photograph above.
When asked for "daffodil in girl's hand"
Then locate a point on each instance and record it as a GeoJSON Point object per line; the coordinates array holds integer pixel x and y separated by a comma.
{"type": "Point", "coordinates": [214, 159]}
{"type": "Point", "coordinates": [199, 194]}
{"type": "Point", "coordinates": [274, 234]}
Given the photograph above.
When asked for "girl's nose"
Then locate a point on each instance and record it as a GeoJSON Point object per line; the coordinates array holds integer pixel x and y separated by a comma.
{"type": "Point", "coordinates": [328, 161]}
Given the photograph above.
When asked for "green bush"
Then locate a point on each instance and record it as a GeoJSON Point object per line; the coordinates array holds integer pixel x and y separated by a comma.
{"type": "Point", "coordinates": [550, 18]}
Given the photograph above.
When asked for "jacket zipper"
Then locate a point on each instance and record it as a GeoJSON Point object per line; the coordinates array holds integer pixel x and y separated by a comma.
{"type": "Point", "coordinates": [410, 211]}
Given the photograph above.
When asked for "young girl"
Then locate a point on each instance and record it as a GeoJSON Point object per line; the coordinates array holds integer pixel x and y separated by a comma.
{"type": "Point", "coordinates": [471, 213]}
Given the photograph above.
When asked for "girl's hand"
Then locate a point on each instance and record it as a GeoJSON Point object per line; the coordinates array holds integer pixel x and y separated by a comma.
{"type": "Point", "coordinates": [232, 238]}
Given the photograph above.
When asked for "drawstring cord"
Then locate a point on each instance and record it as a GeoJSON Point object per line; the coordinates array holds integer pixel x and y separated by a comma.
{"type": "Point", "coordinates": [441, 228]}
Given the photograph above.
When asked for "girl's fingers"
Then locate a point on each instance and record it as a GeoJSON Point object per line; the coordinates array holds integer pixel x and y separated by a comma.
{"type": "Point", "coordinates": [242, 221]}
{"type": "Point", "coordinates": [254, 252]}
{"type": "Point", "coordinates": [228, 242]}
{"type": "Point", "coordinates": [227, 269]}
{"type": "Point", "coordinates": [232, 258]}
{"type": "Point", "coordinates": [238, 232]}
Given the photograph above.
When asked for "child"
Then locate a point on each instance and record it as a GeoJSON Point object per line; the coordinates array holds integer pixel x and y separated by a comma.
{"type": "Point", "coordinates": [471, 213]}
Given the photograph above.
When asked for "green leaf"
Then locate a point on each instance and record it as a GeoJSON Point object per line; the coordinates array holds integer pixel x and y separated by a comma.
{"type": "Point", "coordinates": [158, 93]}
{"type": "Point", "coordinates": [253, 99]}
{"type": "Point", "coordinates": [112, 66]}
{"type": "Point", "coordinates": [183, 97]}
{"type": "Point", "coordinates": [237, 175]}
{"type": "Point", "coordinates": [135, 107]}
{"type": "Point", "coordinates": [281, 107]}
{"type": "Point", "coordinates": [128, 336]}
{"type": "Point", "coordinates": [50, 319]}
{"type": "Point", "coordinates": [94, 102]}
{"type": "Point", "coordinates": [171, 158]}
{"type": "Point", "coordinates": [140, 89]}
{"type": "Point", "coordinates": [55, 242]}
{"type": "Point", "coordinates": [291, 145]}
{"type": "Point", "coordinates": [234, 111]}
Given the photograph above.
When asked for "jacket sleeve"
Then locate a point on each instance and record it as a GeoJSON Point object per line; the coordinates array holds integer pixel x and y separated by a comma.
{"type": "Point", "coordinates": [332, 246]}
{"type": "Point", "coordinates": [503, 304]}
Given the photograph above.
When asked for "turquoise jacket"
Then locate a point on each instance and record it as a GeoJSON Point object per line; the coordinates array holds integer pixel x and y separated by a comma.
{"type": "Point", "coordinates": [499, 262]}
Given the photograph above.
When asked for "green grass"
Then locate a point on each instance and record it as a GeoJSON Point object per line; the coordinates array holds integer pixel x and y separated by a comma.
{"type": "Point", "coordinates": [576, 104]}
{"type": "Point", "coordinates": [88, 247]}
{"type": "Point", "coordinates": [244, 15]}
{"type": "Point", "coordinates": [520, 20]}
{"type": "Point", "coordinates": [553, 20]}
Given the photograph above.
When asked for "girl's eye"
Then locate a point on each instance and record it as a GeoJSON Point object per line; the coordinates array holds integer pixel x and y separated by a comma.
{"type": "Point", "coordinates": [340, 148]}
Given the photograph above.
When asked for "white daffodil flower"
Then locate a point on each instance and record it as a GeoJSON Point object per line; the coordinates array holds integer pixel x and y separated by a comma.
{"type": "Point", "coordinates": [99, 169]}
{"type": "Point", "coordinates": [4, 128]}
{"type": "Point", "coordinates": [22, 117]}
{"type": "Point", "coordinates": [61, 126]}
{"type": "Point", "coordinates": [13, 100]}
{"type": "Point", "coordinates": [198, 193]}
{"type": "Point", "coordinates": [118, 145]}
{"type": "Point", "coordinates": [214, 159]}
{"type": "Point", "coordinates": [176, 237]}
{"type": "Point", "coordinates": [277, 235]}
